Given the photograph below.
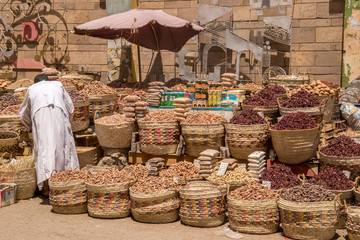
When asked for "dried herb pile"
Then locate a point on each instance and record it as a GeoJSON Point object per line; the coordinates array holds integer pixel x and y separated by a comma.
{"type": "Point", "coordinates": [302, 99]}
{"type": "Point", "coordinates": [342, 146]}
{"type": "Point", "coordinates": [280, 176]}
{"type": "Point", "coordinates": [247, 117]}
{"type": "Point", "coordinates": [295, 121]}
{"type": "Point", "coordinates": [333, 179]}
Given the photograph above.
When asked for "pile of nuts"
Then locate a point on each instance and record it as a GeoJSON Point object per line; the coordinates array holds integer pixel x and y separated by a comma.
{"type": "Point", "coordinates": [110, 176]}
{"type": "Point", "coordinates": [334, 179]}
{"type": "Point", "coordinates": [179, 88]}
{"type": "Point", "coordinates": [247, 117]}
{"type": "Point", "coordinates": [319, 88]}
{"type": "Point", "coordinates": [8, 99]}
{"type": "Point", "coordinates": [307, 193]}
{"type": "Point", "coordinates": [97, 88]}
{"type": "Point", "coordinates": [152, 184]}
{"type": "Point", "coordinates": [204, 118]}
{"type": "Point", "coordinates": [252, 191]}
{"type": "Point", "coordinates": [4, 83]}
{"type": "Point", "coordinates": [70, 175]}
{"type": "Point", "coordinates": [160, 116]}
{"type": "Point", "coordinates": [115, 119]}
{"type": "Point", "coordinates": [238, 175]}
{"type": "Point", "coordinates": [77, 96]}
{"type": "Point", "coordinates": [280, 176]}
{"type": "Point", "coordinates": [251, 87]}
{"type": "Point", "coordinates": [342, 146]}
{"type": "Point", "coordinates": [69, 81]}
{"type": "Point", "coordinates": [295, 121]}
{"type": "Point", "coordinates": [183, 170]}
{"type": "Point", "coordinates": [137, 170]}
{"type": "Point", "coordinates": [10, 110]}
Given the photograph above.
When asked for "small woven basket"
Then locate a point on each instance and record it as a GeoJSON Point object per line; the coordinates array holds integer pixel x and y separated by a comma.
{"type": "Point", "coordinates": [11, 123]}
{"type": "Point", "coordinates": [353, 222]}
{"type": "Point", "coordinates": [108, 201]}
{"type": "Point", "coordinates": [68, 197]}
{"type": "Point", "coordinates": [243, 140]}
{"type": "Point", "coordinates": [202, 204]}
{"type": "Point", "coordinates": [317, 113]}
{"type": "Point", "coordinates": [351, 164]}
{"type": "Point", "coordinates": [200, 137]}
{"type": "Point", "coordinates": [8, 141]}
{"type": "Point", "coordinates": [156, 207]}
{"type": "Point", "coordinates": [256, 217]}
{"type": "Point", "coordinates": [309, 220]}
{"type": "Point", "coordinates": [295, 146]}
{"type": "Point", "coordinates": [159, 138]}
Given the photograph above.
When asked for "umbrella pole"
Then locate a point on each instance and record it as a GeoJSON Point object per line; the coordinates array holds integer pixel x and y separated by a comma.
{"type": "Point", "coordinates": [139, 62]}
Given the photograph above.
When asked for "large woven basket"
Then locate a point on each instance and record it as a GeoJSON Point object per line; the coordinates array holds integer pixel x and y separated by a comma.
{"type": "Point", "coordinates": [356, 192]}
{"type": "Point", "coordinates": [309, 220]}
{"type": "Point", "coordinates": [202, 204]}
{"type": "Point", "coordinates": [351, 164]}
{"type": "Point", "coordinates": [114, 136]}
{"type": "Point", "coordinates": [159, 138]}
{"type": "Point", "coordinates": [257, 217]}
{"type": "Point", "coordinates": [11, 123]}
{"type": "Point", "coordinates": [81, 118]}
{"type": "Point", "coordinates": [105, 105]}
{"type": "Point", "coordinates": [242, 140]}
{"type": "Point", "coordinates": [24, 179]}
{"type": "Point", "coordinates": [108, 201]}
{"type": "Point", "coordinates": [88, 156]}
{"type": "Point", "coordinates": [316, 113]}
{"type": "Point", "coordinates": [8, 141]}
{"type": "Point", "coordinates": [200, 137]}
{"type": "Point", "coordinates": [155, 207]}
{"type": "Point", "coordinates": [295, 146]}
{"type": "Point", "coordinates": [68, 197]}
{"type": "Point", "coordinates": [271, 112]}
{"type": "Point", "coordinates": [353, 222]}
{"type": "Point", "coordinates": [347, 196]}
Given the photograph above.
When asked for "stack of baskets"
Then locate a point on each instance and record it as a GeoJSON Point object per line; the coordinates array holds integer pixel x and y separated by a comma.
{"type": "Point", "coordinates": [159, 138]}
{"type": "Point", "coordinates": [200, 137]}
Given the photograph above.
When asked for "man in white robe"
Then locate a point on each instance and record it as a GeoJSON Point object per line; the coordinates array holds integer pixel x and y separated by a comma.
{"type": "Point", "coordinates": [46, 112]}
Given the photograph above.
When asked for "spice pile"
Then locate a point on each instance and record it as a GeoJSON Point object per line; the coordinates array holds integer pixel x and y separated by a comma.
{"type": "Point", "coordinates": [115, 119]}
{"type": "Point", "coordinates": [110, 176]}
{"type": "Point", "coordinates": [182, 108]}
{"type": "Point", "coordinates": [342, 146]}
{"type": "Point", "coordinates": [155, 165]}
{"type": "Point", "coordinates": [8, 99]}
{"type": "Point", "coordinates": [262, 98]}
{"type": "Point", "coordinates": [320, 88]}
{"type": "Point", "coordinates": [252, 191]}
{"type": "Point", "coordinates": [160, 116]}
{"type": "Point", "coordinates": [238, 175]}
{"type": "Point", "coordinates": [152, 184]}
{"type": "Point", "coordinates": [204, 118]}
{"type": "Point", "coordinates": [130, 104]}
{"type": "Point", "coordinates": [334, 179]}
{"type": "Point", "coordinates": [307, 193]}
{"type": "Point", "coordinates": [97, 88]}
{"type": "Point", "coordinates": [155, 89]}
{"type": "Point", "coordinates": [295, 121]}
{"type": "Point", "coordinates": [137, 170]}
{"type": "Point", "coordinates": [10, 110]}
{"type": "Point", "coordinates": [228, 80]}
{"type": "Point", "coordinates": [247, 117]}
{"type": "Point", "coordinates": [302, 99]}
{"type": "Point", "coordinates": [175, 81]}
{"type": "Point", "coordinates": [70, 175]}
{"type": "Point", "coordinates": [77, 96]}
{"type": "Point", "coordinates": [280, 176]}
{"type": "Point", "coordinates": [181, 170]}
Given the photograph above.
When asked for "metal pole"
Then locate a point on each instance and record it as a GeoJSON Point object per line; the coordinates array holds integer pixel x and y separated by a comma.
{"type": "Point", "coordinates": [139, 62]}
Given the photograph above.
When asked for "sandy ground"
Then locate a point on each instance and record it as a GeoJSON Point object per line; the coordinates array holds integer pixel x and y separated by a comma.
{"type": "Point", "coordinates": [33, 219]}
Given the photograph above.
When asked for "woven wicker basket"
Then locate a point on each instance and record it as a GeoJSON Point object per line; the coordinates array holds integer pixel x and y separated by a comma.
{"type": "Point", "coordinates": [11, 123]}
{"type": "Point", "coordinates": [105, 105]}
{"type": "Point", "coordinates": [289, 80]}
{"type": "Point", "coordinates": [24, 179]}
{"type": "Point", "coordinates": [256, 217]}
{"type": "Point", "coordinates": [351, 164]}
{"type": "Point", "coordinates": [242, 140]}
{"type": "Point", "coordinates": [309, 220]}
{"type": "Point", "coordinates": [356, 192]}
{"type": "Point", "coordinates": [353, 222]}
{"type": "Point", "coordinates": [8, 141]}
{"type": "Point", "coordinates": [156, 207]}
{"type": "Point", "coordinates": [88, 156]}
{"type": "Point", "coordinates": [271, 112]}
{"type": "Point", "coordinates": [108, 201]}
{"type": "Point", "coordinates": [202, 204]}
{"type": "Point", "coordinates": [345, 195]}
{"type": "Point", "coordinates": [81, 118]}
{"type": "Point", "coordinates": [159, 138]}
{"type": "Point", "coordinates": [316, 113]}
{"type": "Point", "coordinates": [114, 136]}
{"type": "Point", "coordinates": [200, 137]}
{"type": "Point", "coordinates": [68, 197]}
{"type": "Point", "coordinates": [295, 146]}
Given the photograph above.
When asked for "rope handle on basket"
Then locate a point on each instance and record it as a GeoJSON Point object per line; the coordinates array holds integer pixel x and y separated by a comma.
{"type": "Point", "coordinates": [345, 205]}
{"type": "Point", "coordinates": [95, 113]}
{"type": "Point", "coordinates": [302, 178]}
{"type": "Point", "coordinates": [279, 101]}
{"type": "Point", "coordinates": [51, 174]}
{"type": "Point", "coordinates": [267, 120]}
{"type": "Point", "coordinates": [357, 180]}
{"type": "Point", "coordinates": [337, 199]}
{"type": "Point", "coordinates": [227, 189]}
{"type": "Point", "coordinates": [271, 71]}
{"type": "Point", "coordinates": [324, 101]}
{"type": "Point", "coordinates": [2, 157]}
{"type": "Point", "coordinates": [278, 195]}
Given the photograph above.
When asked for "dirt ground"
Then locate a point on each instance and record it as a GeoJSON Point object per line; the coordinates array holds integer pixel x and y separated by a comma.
{"type": "Point", "coordinates": [33, 219]}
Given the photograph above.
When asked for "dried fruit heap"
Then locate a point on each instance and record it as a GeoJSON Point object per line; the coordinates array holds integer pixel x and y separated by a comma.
{"type": "Point", "coordinates": [204, 117]}
{"type": "Point", "coordinates": [152, 184]}
{"type": "Point", "coordinates": [307, 193]}
{"type": "Point", "coordinates": [302, 99]}
{"type": "Point", "coordinates": [280, 176]}
{"type": "Point", "coordinates": [295, 121]}
{"type": "Point", "coordinates": [333, 179]}
{"type": "Point", "coordinates": [252, 191]}
{"type": "Point", "coordinates": [342, 146]}
{"type": "Point", "coordinates": [184, 171]}
{"type": "Point", "coordinates": [247, 117]}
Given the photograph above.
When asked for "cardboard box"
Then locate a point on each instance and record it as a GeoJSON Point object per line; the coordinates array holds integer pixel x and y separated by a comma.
{"type": "Point", "coordinates": [309, 168]}
{"type": "Point", "coordinates": [7, 194]}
